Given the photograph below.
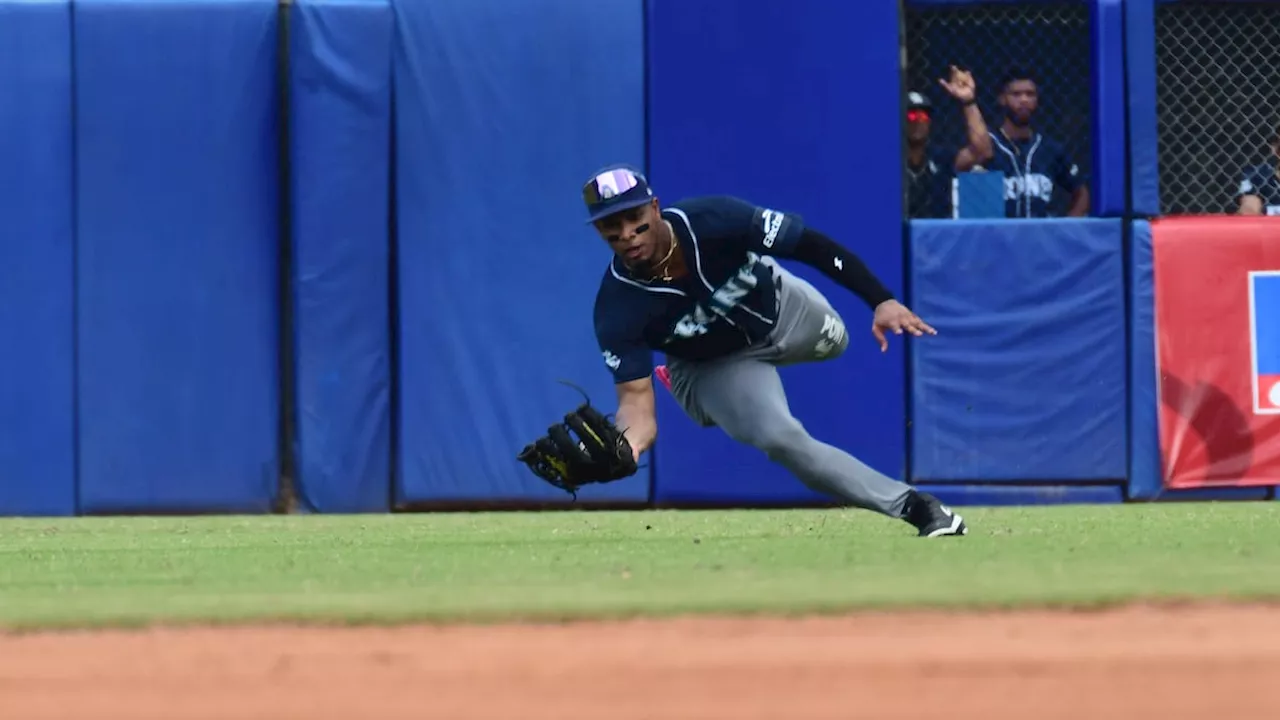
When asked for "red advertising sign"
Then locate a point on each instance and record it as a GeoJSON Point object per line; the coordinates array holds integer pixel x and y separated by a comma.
{"type": "Point", "coordinates": [1217, 318]}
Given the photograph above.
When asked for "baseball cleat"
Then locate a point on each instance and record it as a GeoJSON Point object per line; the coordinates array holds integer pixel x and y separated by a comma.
{"type": "Point", "coordinates": [931, 517]}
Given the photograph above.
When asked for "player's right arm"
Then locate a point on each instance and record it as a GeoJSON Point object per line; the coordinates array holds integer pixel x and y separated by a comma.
{"type": "Point", "coordinates": [620, 335]}
{"type": "Point", "coordinates": [636, 415]}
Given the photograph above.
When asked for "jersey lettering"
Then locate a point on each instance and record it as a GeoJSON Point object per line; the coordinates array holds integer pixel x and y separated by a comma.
{"type": "Point", "coordinates": [723, 301]}
{"type": "Point", "coordinates": [693, 324]}
{"type": "Point", "coordinates": [1035, 171]}
{"type": "Point", "coordinates": [1034, 185]}
{"type": "Point", "coordinates": [831, 335]}
{"type": "Point", "coordinates": [728, 296]}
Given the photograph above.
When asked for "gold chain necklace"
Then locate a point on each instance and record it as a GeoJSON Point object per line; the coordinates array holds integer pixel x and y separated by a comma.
{"type": "Point", "coordinates": [671, 250]}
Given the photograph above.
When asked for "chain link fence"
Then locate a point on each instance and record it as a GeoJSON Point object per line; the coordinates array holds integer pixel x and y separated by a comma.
{"type": "Point", "coordinates": [1051, 39]}
{"type": "Point", "coordinates": [1217, 99]}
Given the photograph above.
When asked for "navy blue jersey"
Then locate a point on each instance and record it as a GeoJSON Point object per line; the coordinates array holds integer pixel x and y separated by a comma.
{"type": "Point", "coordinates": [727, 301]}
{"type": "Point", "coordinates": [1034, 169]}
{"type": "Point", "coordinates": [929, 186]}
{"type": "Point", "coordinates": [1264, 182]}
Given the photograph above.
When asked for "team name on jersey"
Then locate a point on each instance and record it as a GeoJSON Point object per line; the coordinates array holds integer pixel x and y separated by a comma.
{"type": "Point", "coordinates": [1036, 185]}
{"type": "Point", "coordinates": [722, 301]}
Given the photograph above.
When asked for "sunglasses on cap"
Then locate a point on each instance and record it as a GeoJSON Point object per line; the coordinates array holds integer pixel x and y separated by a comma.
{"type": "Point", "coordinates": [610, 184]}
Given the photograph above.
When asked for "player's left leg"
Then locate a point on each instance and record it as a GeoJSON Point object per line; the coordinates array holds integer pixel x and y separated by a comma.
{"type": "Point", "coordinates": [810, 330]}
{"type": "Point", "coordinates": [744, 398]}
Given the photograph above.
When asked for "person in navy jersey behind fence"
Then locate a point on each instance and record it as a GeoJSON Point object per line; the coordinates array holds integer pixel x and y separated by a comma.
{"type": "Point", "coordinates": [1035, 166]}
{"type": "Point", "coordinates": [1259, 191]}
{"type": "Point", "coordinates": [698, 282]}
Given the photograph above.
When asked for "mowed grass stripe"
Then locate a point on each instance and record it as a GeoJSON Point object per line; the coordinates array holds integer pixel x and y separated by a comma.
{"type": "Point", "coordinates": [558, 565]}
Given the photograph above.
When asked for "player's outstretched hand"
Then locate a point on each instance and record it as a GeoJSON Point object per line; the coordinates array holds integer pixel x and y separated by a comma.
{"type": "Point", "coordinates": [893, 316]}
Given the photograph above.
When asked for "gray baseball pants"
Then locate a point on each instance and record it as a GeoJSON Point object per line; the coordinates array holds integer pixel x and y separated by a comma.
{"type": "Point", "coordinates": [743, 395]}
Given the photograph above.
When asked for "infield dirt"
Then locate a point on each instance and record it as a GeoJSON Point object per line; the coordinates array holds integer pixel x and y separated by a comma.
{"type": "Point", "coordinates": [1137, 662]}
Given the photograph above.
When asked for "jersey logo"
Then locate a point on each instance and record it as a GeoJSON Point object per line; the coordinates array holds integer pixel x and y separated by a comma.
{"type": "Point", "coordinates": [725, 298]}
{"type": "Point", "coordinates": [1034, 185]}
{"type": "Point", "coordinates": [772, 220]}
{"type": "Point", "coordinates": [613, 361]}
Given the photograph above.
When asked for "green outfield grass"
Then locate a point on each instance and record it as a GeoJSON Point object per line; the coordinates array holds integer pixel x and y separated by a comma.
{"type": "Point", "coordinates": [98, 571]}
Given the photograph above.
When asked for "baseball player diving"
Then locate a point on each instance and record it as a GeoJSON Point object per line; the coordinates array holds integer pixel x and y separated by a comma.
{"type": "Point", "coordinates": [697, 281]}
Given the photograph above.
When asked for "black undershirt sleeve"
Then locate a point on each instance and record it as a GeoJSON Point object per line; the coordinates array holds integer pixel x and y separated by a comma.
{"type": "Point", "coordinates": [841, 265]}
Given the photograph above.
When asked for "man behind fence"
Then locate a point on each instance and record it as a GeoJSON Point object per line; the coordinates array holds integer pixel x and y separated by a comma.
{"type": "Point", "coordinates": [1035, 166]}
{"type": "Point", "coordinates": [930, 168]}
{"type": "Point", "coordinates": [1259, 192]}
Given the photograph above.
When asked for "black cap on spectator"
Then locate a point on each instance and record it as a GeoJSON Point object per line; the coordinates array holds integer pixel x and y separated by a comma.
{"type": "Point", "coordinates": [917, 100]}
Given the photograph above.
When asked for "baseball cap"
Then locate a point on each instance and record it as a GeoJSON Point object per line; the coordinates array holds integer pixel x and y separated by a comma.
{"type": "Point", "coordinates": [614, 189]}
{"type": "Point", "coordinates": [918, 101]}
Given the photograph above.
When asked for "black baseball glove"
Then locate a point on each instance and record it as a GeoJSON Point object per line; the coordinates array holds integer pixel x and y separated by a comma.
{"type": "Point", "coordinates": [586, 447]}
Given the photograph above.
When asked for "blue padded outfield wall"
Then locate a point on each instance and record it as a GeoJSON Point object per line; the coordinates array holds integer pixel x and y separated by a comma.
{"type": "Point", "coordinates": [1144, 432]}
{"type": "Point", "coordinates": [340, 113]}
{"type": "Point", "coordinates": [37, 406]}
{"type": "Point", "coordinates": [1108, 181]}
{"type": "Point", "coordinates": [347, 241]}
{"type": "Point", "coordinates": [497, 269]}
{"type": "Point", "coordinates": [177, 232]}
{"type": "Point", "coordinates": [764, 103]}
{"type": "Point", "coordinates": [1143, 125]}
{"type": "Point", "coordinates": [1021, 382]}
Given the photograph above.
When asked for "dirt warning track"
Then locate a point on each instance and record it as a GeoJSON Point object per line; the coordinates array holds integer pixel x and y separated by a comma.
{"type": "Point", "coordinates": [1202, 662]}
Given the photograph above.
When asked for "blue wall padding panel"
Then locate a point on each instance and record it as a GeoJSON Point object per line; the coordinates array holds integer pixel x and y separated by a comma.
{"type": "Point", "coordinates": [1025, 379]}
{"type": "Point", "coordinates": [498, 271]}
{"type": "Point", "coordinates": [178, 246]}
{"type": "Point", "coordinates": [1000, 495]}
{"type": "Point", "coordinates": [927, 3]}
{"type": "Point", "coordinates": [1212, 494]}
{"type": "Point", "coordinates": [1145, 474]}
{"type": "Point", "coordinates": [37, 410]}
{"type": "Point", "coordinates": [1110, 138]}
{"type": "Point", "coordinates": [340, 111]}
{"type": "Point", "coordinates": [1144, 149]}
{"type": "Point", "coordinates": [730, 112]}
